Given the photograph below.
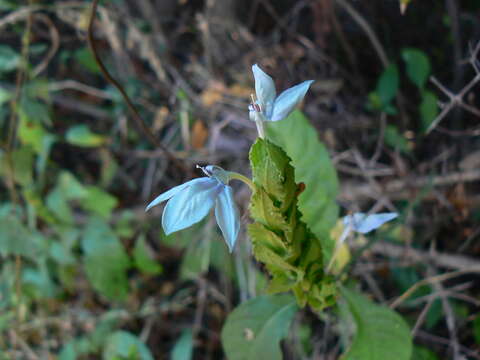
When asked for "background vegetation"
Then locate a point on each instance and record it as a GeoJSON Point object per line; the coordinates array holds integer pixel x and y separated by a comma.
{"type": "Point", "coordinates": [86, 274]}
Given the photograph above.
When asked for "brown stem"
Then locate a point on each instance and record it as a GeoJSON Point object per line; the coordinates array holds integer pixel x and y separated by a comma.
{"type": "Point", "coordinates": [136, 116]}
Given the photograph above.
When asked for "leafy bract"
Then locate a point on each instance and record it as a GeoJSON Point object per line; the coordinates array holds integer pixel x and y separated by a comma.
{"type": "Point", "coordinates": [314, 168]}
{"type": "Point", "coordinates": [380, 332]}
{"type": "Point", "coordinates": [291, 252]}
{"type": "Point", "coordinates": [254, 329]}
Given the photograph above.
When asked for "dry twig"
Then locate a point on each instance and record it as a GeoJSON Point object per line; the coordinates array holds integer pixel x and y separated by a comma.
{"type": "Point", "coordinates": [456, 100]}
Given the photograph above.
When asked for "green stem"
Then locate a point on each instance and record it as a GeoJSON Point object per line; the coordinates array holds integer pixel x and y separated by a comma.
{"type": "Point", "coordinates": [237, 176]}
{"type": "Point", "coordinates": [260, 129]}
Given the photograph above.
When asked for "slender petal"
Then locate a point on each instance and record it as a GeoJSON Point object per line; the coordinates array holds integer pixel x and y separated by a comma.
{"type": "Point", "coordinates": [190, 206]}
{"type": "Point", "coordinates": [287, 100]}
{"type": "Point", "coordinates": [264, 86]}
{"type": "Point", "coordinates": [168, 194]}
{"type": "Point", "coordinates": [364, 224]}
{"type": "Point", "coordinates": [228, 217]}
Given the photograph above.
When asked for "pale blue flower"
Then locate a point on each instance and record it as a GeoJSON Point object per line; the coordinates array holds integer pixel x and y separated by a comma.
{"type": "Point", "coordinates": [363, 223]}
{"type": "Point", "coordinates": [269, 107]}
{"type": "Point", "coordinates": [191, 202]}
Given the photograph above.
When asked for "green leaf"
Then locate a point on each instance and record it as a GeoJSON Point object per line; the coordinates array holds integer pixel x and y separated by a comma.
{"type": "Point", "coordinates": [80, 135]}
{"type": "Point", "coordinates": [16, 239]}
{"type": "Point", "coordinates": [395, 139]}
{"type": "Point", "coordinates": [84, 57]}
{"type": "Point", "coordinates": [106, 262]}
{"type": "Point", "coordinates": [254, 329]}
{"type": "Point", "coordinates": [418, 66]}
{"type": "Point", "coordinates": [40, 283]}
{"type": "Point", "coordinates": [22, 163]}
{"type": "Point", "coordinates": [183, 349]}
{"type": "Point", "coordinates": [314, 168]}
{"type": "Point", "coordinates": [125, 345]}
{"type": "Point", "coordinates": [196, 259]}
{"type": "Point", "coordinates": [144, 259]}
{"type": "Point", "coordinates": [428, 109]}
{"type": "Point", "coordinates": [387, 86]}
{"type": "Point", "coordinates": [5, 95]}
{"type": "Point", "coordinates": [380, 332]}
{"type": "Point", "coordinates": [34, 110]}
{"type": "Point", "coordinates": [98, 201]}
{"type": "Point", "coordinates": [434, 314]}
{"type": "Point", "coordinates": [9, 59]}
{"type": "Point", "coordinates": [476, 329]}
{"type": "Point", "coordinates": [32, 133]}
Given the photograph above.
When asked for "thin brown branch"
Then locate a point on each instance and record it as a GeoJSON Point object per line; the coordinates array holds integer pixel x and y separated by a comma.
{"type": "Point", "coordinates": [456, 100]}
{"type": "Point", "coordinates": [136, 116]}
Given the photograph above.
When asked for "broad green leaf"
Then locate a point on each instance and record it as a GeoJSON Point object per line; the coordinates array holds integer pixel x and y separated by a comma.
{"type": "Point", "coordinates": [16, 239]}
{"type": "Point", "coordinates": [125, 345]}
{"type": "Point", "coordinates": [255, 328]}
{"type": "Point", "coordinates": [70, 187]}
{"type": "Point", "coordinates": [21, 164]}
{"type": "Point", "coordinates": [387, 86]}
{"type": "Point", "coordinates": [5, 95]}
{"type": "Point", "coordinates": [57, 203]}
{"type": "Point", "coordinates": [106, 262]}
{"type": "Point", "coordinates": [143, 258]}
{"type": "Point", "coordinates": [418, 66]}
{"type": "Point", "coordinates": [81, 135]}
{"type": "Point", "coordinates": [9, 59]}
{"type": "Point", "coordinates": [32, 133]}
{"type": "Point", "coordinates": [314, 168]}
{"type": "Point", "coordinates": [98, 201]}
{"type": "Point", "coordinates": [428, 109]}
{"type": "Point", "coordinates": [34, 110]}
{"type": "Point", "coordinates": [395, 139]}
{"type": "Point", "coordinates": [39, 283]}
{"type": "Point", "coordinates": [380, 332]}
{"type": "Point", "coordinates": [61, 253]}
{"type": "Point", "coordinates": [183, 349]}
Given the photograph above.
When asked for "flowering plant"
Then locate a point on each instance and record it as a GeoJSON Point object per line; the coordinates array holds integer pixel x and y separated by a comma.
{"type": "Point", "coordinates": [293, 254]}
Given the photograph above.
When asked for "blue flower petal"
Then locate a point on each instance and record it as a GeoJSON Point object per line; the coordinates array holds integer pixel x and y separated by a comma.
{"type": "Point", "coordinates": [364, 224]}
{"type": "Point", "coordinates": [287, 100]}
{"type": "Point", "coordinates": [228, 217]}
{"type": "Point", "coordinates": [190, 206]}
{"type": "Point", "coordinates": [168, 194]}
{"type": "Point", "coordinates": [264, 87]}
